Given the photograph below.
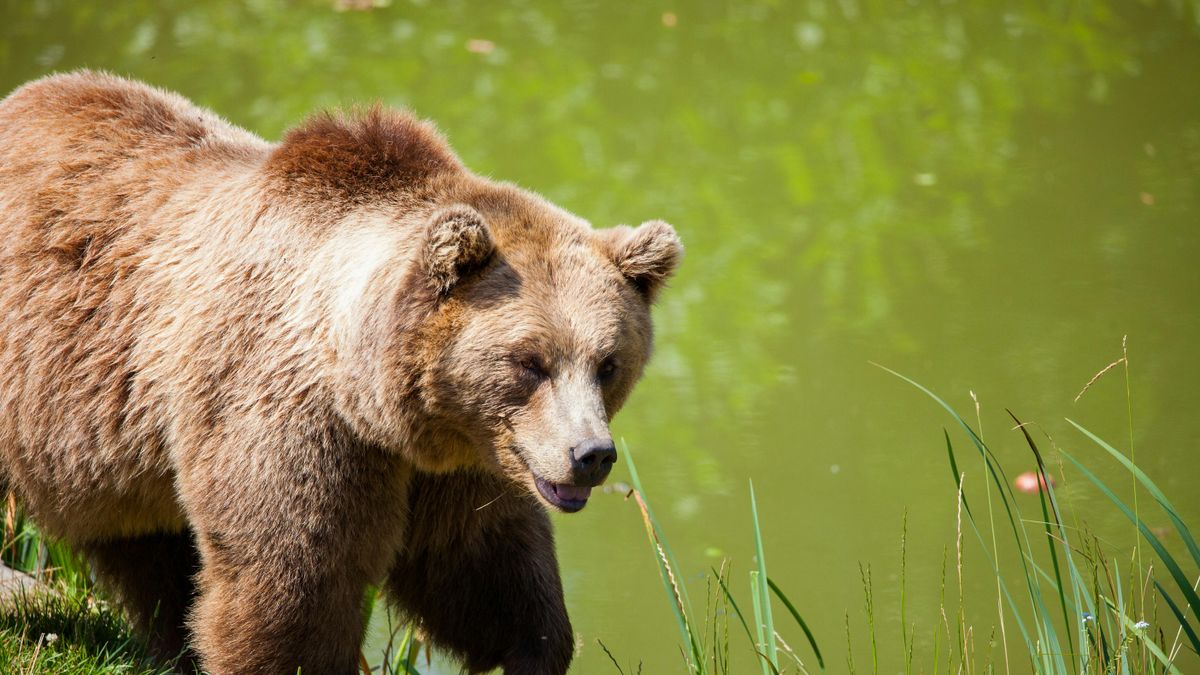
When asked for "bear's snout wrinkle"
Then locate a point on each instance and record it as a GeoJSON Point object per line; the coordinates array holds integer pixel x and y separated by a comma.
{"type": "Point", "coordinates": [592, 460]}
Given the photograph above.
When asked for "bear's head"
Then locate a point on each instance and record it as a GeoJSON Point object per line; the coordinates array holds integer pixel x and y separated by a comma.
{"type": "Point", "coordinates": [508, 340]}
{"type": "Point", "coordinates": [541, 328]}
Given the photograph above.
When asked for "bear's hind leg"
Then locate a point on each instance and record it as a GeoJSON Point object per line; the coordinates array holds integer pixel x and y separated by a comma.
{"type": "Point", "coordinates": [153, 578]}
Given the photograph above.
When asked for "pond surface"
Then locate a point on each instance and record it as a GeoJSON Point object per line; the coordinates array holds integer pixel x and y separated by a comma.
{"type": "Point", "coordinates": [986, 200]}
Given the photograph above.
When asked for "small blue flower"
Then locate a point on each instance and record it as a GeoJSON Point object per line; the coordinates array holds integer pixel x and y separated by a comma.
{"type": "Point", "coordinates": [1088, 617]}
{"type": "Point", "coordinates": [1142, 625]}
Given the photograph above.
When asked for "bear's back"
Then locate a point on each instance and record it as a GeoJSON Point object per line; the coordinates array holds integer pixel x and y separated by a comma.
{"type": "Point", "coordinates": [108, 116]}
{"type": "Point", "coordinates": [88, 164]}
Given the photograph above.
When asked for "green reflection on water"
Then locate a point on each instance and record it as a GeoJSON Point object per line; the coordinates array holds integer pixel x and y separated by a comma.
{"type": "Point", "coordinates": [985, 198]}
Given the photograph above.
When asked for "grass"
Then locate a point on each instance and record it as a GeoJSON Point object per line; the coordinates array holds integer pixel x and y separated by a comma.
{"type": "Point", "coordinates": [1087, 604]}
{"type": "Point", "coordinates": [1073, 608]}
{"type": "Point", "coordinates": [62, 627]}
{"type": "Point", "coordinates": [68, 633]}
{"type": "Point", "coordinates": [1077, 610]}
{"type": "Point", "coordinates": [706, 638]}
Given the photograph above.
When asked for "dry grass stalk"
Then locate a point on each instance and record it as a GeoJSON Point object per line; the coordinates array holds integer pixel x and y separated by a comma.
{"type": "Point", "coordinates": [958, 547]}
{"type": "Point", "coordinates": [1097, 376]}
{"type": "Point", "coordinates": [662, 555]}
{"type": "Point", "coordinates": [10, 520]}
{"type": "Point", "coordinates": [37, 650]}
{"type": "Point", "coordinates": [790, 652]}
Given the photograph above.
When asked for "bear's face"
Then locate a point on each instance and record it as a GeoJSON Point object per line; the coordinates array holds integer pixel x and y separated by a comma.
{"type": "Point", "coordinates": [545, 328]}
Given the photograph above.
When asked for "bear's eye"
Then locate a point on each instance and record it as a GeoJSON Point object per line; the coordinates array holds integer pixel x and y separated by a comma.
{"type": "Point", "coordinates": [607, 369]}
{"type": "Point", "coordinates": [532, 366]}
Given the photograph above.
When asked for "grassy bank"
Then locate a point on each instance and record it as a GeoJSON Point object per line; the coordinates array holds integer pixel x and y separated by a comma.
{"type": "Point", "coordinates": [61, 626]}
{"type": "Point", "coordinates": [66, 626]}
{"type": "Point", "coordinates": [68, 633]}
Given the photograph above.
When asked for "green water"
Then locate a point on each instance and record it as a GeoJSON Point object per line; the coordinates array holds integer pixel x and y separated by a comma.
{"type": "Point", "coordinates": [984, 198]}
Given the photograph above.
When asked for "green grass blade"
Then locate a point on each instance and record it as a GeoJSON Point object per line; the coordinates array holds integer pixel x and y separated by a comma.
{"type": "Point", "coordinates": [1008, 500]}
{"type": "Point", "coordinates": [1106, 648]}
{"type": "Point", "coordinates": [1158, 495]}
{"type": "Point", "coordinates": [1153, 648]}
{"type": "Point", "coordinates": [1076, 608]}
{"type": "Point", "coordinates": [1183, 622]}
{"type": "Point", "coordinates": [1045, 576]}
{"type": "Point", "coordinates": [742, 618]}
{"type": "Point", "coordinates": [956, 472]}
{"type": "Point", "coordinates": [1078, 588]}
{"type": "Point", "coordinates": [1044, 478]}
{"type": "Point", "coordinates": [1120, 611]}
{"type": "Point", "coordinates": [763, 595]}
{"type": "Point", "coordinates": [1168, 561]}
{"type": "Point", "coordinates": [406, 654]}
{"type": "Point", "coordinates": [610, 656]}
{"type": "Point", "coordinates": [1029, 645]}
{"type": "Point", "coordinates": [733, 603]}
{"type": "Point", "coordinates": [812, 642]}
{"type": "Point", "coordinates": [756, 596]}
{"type": "Point", "coordinates": [666, 564]}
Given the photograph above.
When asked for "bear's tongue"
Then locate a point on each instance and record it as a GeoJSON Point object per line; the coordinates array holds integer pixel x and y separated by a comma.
{"type": "Point", "coordinates": [572, 493]}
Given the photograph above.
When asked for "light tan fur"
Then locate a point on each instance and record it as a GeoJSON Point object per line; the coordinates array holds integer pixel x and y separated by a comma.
{"type": "Point", "coordinates": [285, 371]}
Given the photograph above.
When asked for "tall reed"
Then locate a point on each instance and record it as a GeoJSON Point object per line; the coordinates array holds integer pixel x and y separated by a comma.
{"type": "Point", "coordinates": [1066, 597]}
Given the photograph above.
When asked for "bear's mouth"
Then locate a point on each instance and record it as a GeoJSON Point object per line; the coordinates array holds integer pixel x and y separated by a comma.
{"type": "Point", "coordinates": [569, 498]}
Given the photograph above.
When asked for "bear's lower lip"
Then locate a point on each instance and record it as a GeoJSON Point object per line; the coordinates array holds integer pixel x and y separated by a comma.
{"type": "Point", "coordinates": [569, 498]}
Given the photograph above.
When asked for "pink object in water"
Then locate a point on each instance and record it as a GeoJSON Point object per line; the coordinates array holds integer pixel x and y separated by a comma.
{"type": "Point", "coordinates": [1030, 481]}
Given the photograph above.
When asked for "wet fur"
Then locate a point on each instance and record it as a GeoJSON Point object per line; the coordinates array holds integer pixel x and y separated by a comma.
{"type": "Point", "coordinates": [251, 362]}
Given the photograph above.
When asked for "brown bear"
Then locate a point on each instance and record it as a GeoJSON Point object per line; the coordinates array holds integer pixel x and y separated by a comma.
{"type": "Point", "coordinates": [247, 379]}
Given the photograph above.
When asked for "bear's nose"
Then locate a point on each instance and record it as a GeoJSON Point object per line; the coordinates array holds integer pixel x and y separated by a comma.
{"type": "Point", "coordinates": [592, 459]}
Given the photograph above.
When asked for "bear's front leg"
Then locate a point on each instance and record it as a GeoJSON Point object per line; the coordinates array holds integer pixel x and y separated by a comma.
{"type": "Point", "coordinates": [288, 545]}
{"type": "Point", "coordinates": [270, 612]}
{"type": "Point", "coordinates": [480, 574]}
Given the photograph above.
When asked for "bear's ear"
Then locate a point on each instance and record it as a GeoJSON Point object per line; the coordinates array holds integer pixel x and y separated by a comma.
{"type": "Point", "coordinates": [456, 244]}
{"type": "Point", "coordinates": [646, 255]}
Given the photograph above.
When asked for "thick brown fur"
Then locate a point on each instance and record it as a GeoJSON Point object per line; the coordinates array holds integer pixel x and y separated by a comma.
{"type": "Point", "coordinates": [289, 371]}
